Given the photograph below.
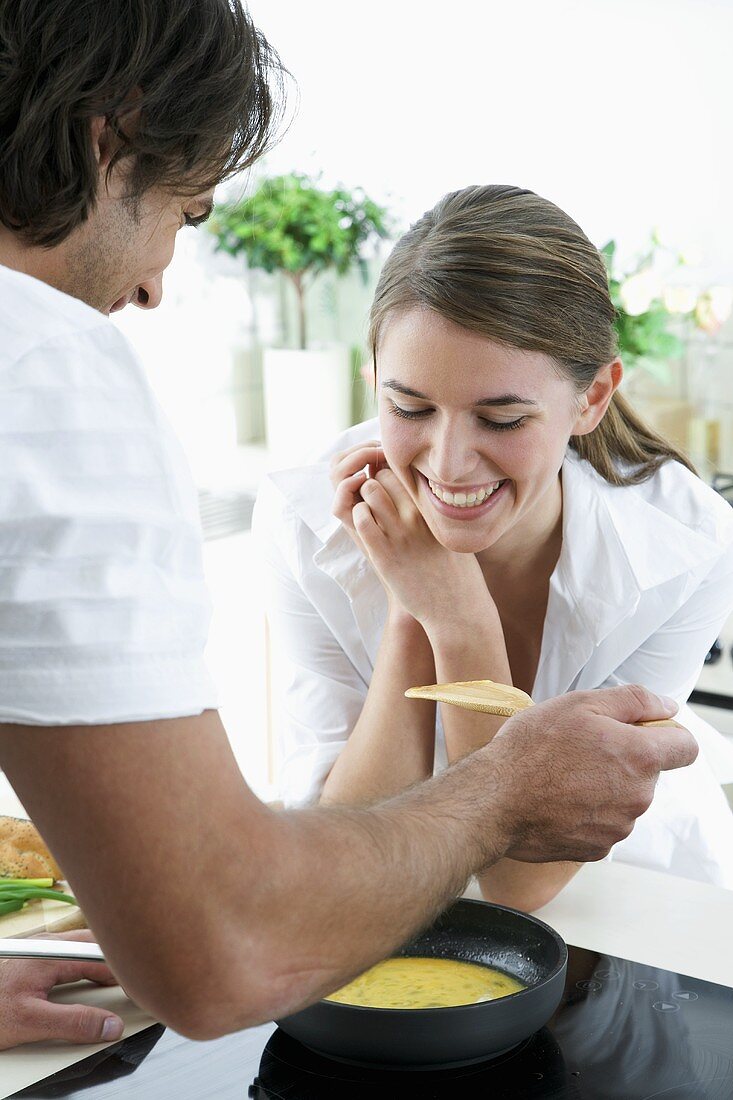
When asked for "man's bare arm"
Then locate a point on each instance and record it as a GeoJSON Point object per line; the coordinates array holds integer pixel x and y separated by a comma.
{"type": "Point", "coordinates": [217, 912]}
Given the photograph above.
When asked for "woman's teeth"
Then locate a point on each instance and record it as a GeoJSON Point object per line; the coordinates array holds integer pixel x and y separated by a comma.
{"type": "Point", "coordinates": [464, 500]}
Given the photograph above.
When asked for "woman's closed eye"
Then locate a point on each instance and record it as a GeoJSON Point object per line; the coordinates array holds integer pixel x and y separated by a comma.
{"type": "Point", "coordinates": [421, 414]}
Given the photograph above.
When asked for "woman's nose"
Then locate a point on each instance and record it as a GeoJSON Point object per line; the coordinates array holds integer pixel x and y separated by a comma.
{"type": "Point", "coordinates": [149, 294]}
{"type": "Point", "coordinates": [452, 457]}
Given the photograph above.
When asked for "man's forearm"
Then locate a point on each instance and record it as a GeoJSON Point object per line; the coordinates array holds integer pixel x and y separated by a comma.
{"type": "Point", "coordinates": [346, 886]}
{"type": "Point", "coordinates": [216, 912]}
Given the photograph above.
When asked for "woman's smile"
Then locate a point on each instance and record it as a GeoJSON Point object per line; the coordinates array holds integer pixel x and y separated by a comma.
{"type": "Point", "coordinates": [471, 502]}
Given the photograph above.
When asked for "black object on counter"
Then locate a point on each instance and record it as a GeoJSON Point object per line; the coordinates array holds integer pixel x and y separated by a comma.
{"type": "Point", "coordinates": [714, 653]}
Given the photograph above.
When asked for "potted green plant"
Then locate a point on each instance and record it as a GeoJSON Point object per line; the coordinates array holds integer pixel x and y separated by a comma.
{"type": "Point", "coordinates": [292, 227]}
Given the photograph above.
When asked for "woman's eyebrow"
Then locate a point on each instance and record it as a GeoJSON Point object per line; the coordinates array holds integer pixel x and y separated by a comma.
{"type": "Point", "coordinates": [503, 399]}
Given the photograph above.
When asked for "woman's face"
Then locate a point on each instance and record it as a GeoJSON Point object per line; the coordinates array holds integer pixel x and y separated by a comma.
{"type": "Point", "coordinates": [476, 431]}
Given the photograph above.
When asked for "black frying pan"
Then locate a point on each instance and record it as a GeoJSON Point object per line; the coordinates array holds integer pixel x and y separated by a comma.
{"type": "Point", "coordinates": [472, 931]}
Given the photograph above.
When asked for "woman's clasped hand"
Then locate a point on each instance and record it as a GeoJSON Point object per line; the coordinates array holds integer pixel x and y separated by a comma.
{"type": "Point", "coordinates": [434, 585]}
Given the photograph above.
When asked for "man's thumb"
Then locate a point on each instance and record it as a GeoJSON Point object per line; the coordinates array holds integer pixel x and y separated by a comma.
{"type": "Point", "coordinates": [77, 1023]}
{"type": "Point", "coordinates": [632, 703]}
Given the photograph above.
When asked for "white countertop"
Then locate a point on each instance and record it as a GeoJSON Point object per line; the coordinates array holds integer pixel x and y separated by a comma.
{"type": "Point", "coordinates": [649, 917]}
{"type": "Point", "coordinates": [612, 908]}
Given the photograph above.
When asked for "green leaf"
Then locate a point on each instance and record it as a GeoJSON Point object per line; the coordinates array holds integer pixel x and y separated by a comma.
{"type": "Point", "coordinates": [290, 224]}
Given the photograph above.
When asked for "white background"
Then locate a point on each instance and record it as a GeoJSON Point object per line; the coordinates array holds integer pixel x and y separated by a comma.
{"type": "Point", "coordinates": [620, 111]}
{"type": "Point", "coordinates": [617, 110]}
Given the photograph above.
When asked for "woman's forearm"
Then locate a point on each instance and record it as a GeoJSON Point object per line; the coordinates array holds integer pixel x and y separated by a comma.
{"type": "Point", "coordinates": [525, 886]}
{"type": "Point", "coordinates": [392, 745]}
{"type": "Point", "coordinates": [469, 649]}
{"type": "Point", "coordinates": [478, 652]}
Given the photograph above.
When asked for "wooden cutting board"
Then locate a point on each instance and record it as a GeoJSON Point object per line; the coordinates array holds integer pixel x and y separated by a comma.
{"type": "Point", "coordinates": [42, 916]}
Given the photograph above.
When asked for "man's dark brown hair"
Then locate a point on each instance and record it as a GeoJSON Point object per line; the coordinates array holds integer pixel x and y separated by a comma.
{"type": "Point", "coordinates": [206, 82]}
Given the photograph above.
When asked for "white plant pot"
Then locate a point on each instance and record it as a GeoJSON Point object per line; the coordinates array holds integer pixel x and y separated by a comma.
{"type": "Point", "coordinates": [307, 401]}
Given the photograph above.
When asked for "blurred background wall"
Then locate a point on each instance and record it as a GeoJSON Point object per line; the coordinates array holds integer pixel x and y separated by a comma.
{"type": "Point", "coordinates": [617, 110]}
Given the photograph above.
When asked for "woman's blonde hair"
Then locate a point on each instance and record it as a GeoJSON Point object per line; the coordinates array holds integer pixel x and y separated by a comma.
{"type": "Point", "coordinates": [513, 267]}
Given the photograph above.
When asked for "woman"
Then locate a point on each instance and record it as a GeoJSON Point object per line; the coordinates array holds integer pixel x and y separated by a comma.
{"type": "Point", "coordinates": [523, 526]}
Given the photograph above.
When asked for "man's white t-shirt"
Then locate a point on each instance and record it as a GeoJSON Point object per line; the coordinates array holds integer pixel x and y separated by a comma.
{"type": "Point", "coordinates": [103, 607]}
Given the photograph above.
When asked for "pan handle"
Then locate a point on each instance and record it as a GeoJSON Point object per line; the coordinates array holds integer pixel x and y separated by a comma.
{"type": "Point", "coordinates": [17, 948]}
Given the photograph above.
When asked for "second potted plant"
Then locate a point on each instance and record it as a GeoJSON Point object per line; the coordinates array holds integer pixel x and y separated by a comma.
{"type": "Point", "coordinates": [291, 226]}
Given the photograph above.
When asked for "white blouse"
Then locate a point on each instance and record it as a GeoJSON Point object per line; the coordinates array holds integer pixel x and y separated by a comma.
{"type": "Point", "coordinates": [642, 586]}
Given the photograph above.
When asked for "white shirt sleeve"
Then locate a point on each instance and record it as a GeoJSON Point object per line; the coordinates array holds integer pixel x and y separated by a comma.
{"type": "Point", "coordinates": [103, 607]}
{"type": "Point", "coordinates": [670, 660]}
{"type": "Point", "coordinates": [316, 693]}
{"type": "Point", "coordinates": [688, 829]}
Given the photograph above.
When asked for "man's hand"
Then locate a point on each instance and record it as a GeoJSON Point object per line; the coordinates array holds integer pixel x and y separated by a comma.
{"type": "Point", "coordinates": [575, 774]}
{"type": "Point", "coordinates": [27, 1015]}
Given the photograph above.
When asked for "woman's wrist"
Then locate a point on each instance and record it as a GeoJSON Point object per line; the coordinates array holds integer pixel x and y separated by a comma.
{"type": "Point", "coordinates": [401, 620]}
{"type": "Point", "coordinates": [477, 626]}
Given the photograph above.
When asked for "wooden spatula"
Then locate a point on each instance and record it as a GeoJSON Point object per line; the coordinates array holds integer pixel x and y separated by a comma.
{"type": "Point", "coordinates": [490, 698]}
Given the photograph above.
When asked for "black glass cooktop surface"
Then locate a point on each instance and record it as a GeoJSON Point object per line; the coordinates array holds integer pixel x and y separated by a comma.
{"type": "Point", "coordinates": [624, 1031]}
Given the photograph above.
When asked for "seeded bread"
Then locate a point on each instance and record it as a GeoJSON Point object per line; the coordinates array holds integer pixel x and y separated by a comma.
{"type": "Point", "coordinates": [23, 853]}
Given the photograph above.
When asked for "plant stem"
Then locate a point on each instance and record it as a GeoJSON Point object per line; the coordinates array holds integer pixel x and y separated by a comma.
{"type": "Point", "coordinates": [297, 279]}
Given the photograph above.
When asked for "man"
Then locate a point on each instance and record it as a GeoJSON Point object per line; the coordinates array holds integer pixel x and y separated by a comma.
{"type": "Point", "coordinates": [214, 911]}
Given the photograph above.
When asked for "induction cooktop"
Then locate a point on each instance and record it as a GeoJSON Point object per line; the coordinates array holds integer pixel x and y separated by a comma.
{"type": "Point", "coordinates": [624, 1031]}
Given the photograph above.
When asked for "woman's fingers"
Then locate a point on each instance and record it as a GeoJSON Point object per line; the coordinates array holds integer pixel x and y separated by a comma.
{"type": "Point", "coordinates": [376, 510]}
{"type": "Point", "coordinates": [347, 495]}
{"type": "Point", "coordinates": [381, 504]}
{"type": "Point", "coordinates": [404, 504]}
{"type": "Point", "coordinates": [380, 463]}
{"type": "Point", "coordinates": [391, 506]}
{"type": "Point", "coordinates": [347, 463]}
{"type": "Point", "coordinates": [368, 531]}
{"type": "Point", "coordinates": [361, 492]}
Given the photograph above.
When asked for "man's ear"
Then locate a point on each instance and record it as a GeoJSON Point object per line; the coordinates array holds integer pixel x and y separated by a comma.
{"type": "Point", "coordinates": [103, 141]}
{"type": "Point", "coordinates": [596, 399]}
{"type": "Point", "coordinates": [105, 138]}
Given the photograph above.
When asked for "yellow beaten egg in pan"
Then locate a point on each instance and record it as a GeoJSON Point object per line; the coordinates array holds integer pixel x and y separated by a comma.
{"type": "Point", "coordinates": [426, 983]}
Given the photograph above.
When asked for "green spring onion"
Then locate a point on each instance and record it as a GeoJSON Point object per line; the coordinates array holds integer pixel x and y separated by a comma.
{"type": "Point", "coordinates": [48, 882]}
{"type": "Point", "coordinates": [14, 895]}
{"type": "Point", "coordinates": [11, 906]}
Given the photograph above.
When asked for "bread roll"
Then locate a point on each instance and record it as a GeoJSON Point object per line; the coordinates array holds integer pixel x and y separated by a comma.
{"type": "Point", "coordinates": [23, 853]}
